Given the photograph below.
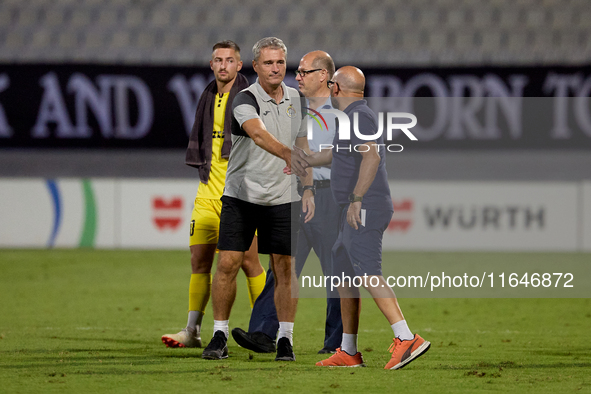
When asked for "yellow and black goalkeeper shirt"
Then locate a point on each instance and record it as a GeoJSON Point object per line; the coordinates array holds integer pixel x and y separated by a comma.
{"type": "Point", "coordinates": [217, 176]}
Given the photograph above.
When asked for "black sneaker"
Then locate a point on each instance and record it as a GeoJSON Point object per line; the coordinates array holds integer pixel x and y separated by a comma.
{"type": "Point", "coordinates": [284, 350]}
{"type": "Point", "coordinates": [255, 341]}
{"type": "Point", "coordinates": [217, 348]}
{"type": "Point", "coordinates": [325, 350]}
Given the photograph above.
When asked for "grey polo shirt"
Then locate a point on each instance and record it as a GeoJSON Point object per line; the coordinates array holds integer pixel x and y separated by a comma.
{"type": "Point", "coordinates": [255, 175]}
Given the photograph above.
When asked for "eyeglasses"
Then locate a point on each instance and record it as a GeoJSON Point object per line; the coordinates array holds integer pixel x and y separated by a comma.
{"type": "Point", "coordinates": [303, 73]}
{"type": "Point", "coordinates": [330, 84]}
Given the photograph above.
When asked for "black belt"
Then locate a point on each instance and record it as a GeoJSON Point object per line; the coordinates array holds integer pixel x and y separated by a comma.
{"type": "Point", "coordinates": [317, 184]}
{"type": "Point", "coordinates": [322, 184]}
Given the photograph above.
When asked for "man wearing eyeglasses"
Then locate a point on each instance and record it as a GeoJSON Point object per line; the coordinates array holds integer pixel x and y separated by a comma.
{"type": "Point", "coordinates": [320, 233]}
{"type": "Point", "coordinates": [359, 183]}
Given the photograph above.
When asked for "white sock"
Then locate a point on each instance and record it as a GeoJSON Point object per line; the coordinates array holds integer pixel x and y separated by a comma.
{"type": "Point", "coordinates": [286, 331]}
{"type": "Point", "coordinates": [194, 321]}
{"type": "Point", "coordinates": [349, 344]}
{"type": "Point", "coordinates": [401, 331]}
{"type": "Point", "coordinates": [223, 326]}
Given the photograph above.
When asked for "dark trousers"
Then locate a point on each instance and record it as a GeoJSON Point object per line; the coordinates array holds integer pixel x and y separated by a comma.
{"type": "Point", "coordinates": [319, 234]}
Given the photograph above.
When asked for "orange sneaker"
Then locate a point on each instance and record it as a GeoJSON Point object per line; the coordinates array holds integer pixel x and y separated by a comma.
{"type": "Point", "coordinates": [403, 352]}
{"type": "Point", "coordinates": [342, 359]}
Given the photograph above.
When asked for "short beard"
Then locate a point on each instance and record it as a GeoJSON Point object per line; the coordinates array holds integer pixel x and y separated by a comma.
{"type": "Point", "coordinates": [225, 79]}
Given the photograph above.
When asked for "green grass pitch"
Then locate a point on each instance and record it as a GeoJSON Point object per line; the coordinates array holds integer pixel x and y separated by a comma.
{"type": "Point", "coordinates": [91, 321]}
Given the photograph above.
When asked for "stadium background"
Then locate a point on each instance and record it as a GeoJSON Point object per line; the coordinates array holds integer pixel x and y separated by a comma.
{"type": "Point", "coordinates": [84, 319]}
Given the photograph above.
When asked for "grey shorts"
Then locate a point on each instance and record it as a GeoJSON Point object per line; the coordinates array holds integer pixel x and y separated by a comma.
{"type": "Point", "coordinates": [359, 252]}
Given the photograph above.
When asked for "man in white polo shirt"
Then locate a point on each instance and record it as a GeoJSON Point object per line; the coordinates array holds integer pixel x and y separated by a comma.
{"type": "Point", "coordinates": [268, 119]}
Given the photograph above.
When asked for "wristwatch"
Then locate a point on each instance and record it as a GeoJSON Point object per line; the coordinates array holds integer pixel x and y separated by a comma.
{"type": "Point", "coordinates": [309, 187]}
{"type": "Point", "coordinates": [354, 198]}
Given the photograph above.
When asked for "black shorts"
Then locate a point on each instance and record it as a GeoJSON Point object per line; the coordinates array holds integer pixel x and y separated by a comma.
{"type": "Point", "coordinates": [277, 226]}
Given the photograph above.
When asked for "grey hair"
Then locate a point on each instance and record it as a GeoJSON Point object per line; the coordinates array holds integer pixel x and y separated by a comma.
{"type": "Point", "coordinates": [268, 42]}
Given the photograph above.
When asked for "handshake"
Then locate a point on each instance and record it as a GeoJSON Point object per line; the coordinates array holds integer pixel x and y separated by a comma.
{"type": "Point", "coordinates": [297, 162]}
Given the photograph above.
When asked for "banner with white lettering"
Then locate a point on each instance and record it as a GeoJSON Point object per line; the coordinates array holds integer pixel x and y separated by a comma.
{"type": "Point", "coordinates": [47, 106]}
{"type": "Point", "coordinates": [106, 106]}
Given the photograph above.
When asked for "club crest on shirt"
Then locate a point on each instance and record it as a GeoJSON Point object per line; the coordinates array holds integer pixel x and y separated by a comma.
{"type": "Point", "coordinates": [291, 112]}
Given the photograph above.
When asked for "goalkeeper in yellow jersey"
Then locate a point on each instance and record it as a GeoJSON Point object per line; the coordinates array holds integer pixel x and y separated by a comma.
{"type": "Point", "coordinates": [209, 148]}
